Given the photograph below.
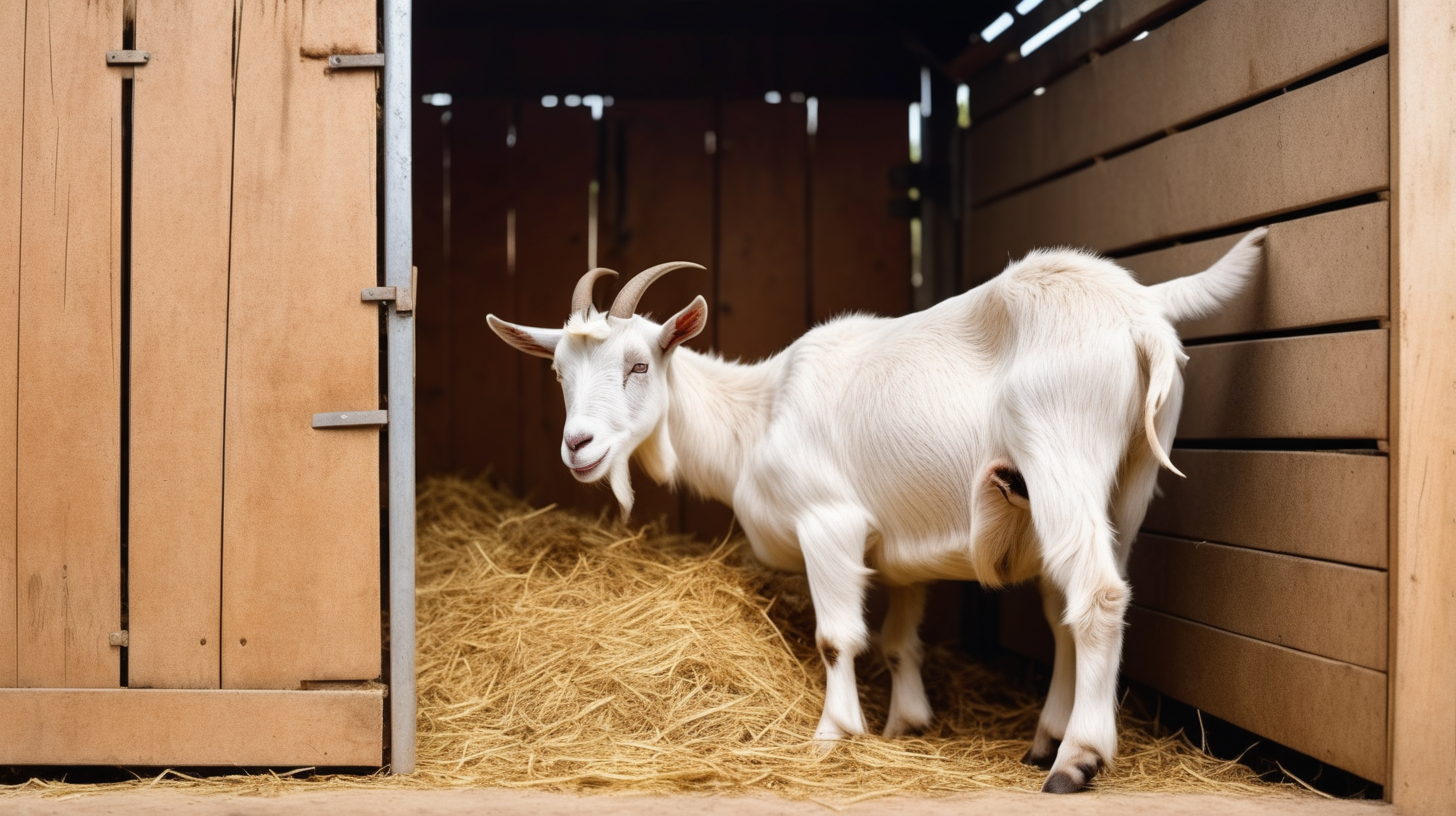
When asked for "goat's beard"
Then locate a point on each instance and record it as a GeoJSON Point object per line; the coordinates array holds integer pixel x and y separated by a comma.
{"type": "Point", "coordinates": [620, 479]}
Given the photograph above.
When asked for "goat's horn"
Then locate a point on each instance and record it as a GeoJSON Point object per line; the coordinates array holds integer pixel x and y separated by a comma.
{"type": "Point", "coordinates": [626, 303]}
{"type": "Point", "coordinates": [581, 299]}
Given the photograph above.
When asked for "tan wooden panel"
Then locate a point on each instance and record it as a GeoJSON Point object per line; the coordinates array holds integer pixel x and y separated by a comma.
{"type": "Point", "coordinates": [181, 186]}
{"type": "Point", "coordinates": [12, 100]}
{"type": "Point", "coordinates": [1309, 503]}
{"type": "Point", "coordinates": [1332, 610]}
{"type": "Point", "coordinates": [161, 727]}
{"type": "Point", "coordinates": [1004, 82]}
{"type": "Point", "coordinates": [1326, 386]}
{"type": "Point", "coordinates": [1330, 710]}
{"type": "Point", "coordinates": [1423, 470]}
{"type": "Point", "coordinates": [1328, 268]}
{"type": "Point", "coordinates": [69, 412]}
{"type": "Point", "coordinates": [1320, 143]}
{"type": "Point", "coordinates": [301, 507]}
{"type": "Point", "coordinates": [1219, 54]}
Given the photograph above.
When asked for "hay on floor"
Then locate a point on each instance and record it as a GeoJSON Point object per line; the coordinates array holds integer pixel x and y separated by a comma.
{"type": "Point", "coordinates": [559, 651]}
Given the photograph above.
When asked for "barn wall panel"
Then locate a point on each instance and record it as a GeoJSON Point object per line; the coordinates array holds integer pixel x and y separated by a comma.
{"type": "Point", "coordinates": [433, 352]}
{"type": "Point", "coordinates": [69, 412]}
{"type": "Point", "coordinates": [1218, 54]}
{"type": "Point", "coordinates": [12, 99]}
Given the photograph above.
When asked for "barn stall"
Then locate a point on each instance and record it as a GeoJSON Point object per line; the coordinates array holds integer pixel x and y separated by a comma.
{"type": "Point", "coordinates": [233, 573]}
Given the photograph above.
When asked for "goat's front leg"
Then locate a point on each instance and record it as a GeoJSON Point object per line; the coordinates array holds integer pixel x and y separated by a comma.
{"type": "Point", "coordinates": [832, 539]}
{"type": "Point", "coordinates": [900, 643]}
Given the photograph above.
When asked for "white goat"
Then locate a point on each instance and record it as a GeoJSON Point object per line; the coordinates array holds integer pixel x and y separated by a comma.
{"type": "Point", "coordinates": [1008, 433]}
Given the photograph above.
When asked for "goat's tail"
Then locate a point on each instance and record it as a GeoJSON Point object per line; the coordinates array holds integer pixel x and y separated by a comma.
{"type": "Point", "coordinates": [1201, 295]}
{"type": "Point", "coordinates": [1164, 355]}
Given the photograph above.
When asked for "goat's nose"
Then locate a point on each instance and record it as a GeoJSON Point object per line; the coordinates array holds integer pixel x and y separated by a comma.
{"type": "Point", "coordinates": [576, 442]}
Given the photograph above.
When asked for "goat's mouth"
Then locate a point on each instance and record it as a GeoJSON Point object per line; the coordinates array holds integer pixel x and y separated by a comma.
{"type": "Point", "coordinates": [585, 469]}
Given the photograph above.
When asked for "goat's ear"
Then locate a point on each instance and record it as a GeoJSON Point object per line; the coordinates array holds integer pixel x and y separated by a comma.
{"type": "Point", "coordinates": [684, 325]}
{"type": "Point", "coordinates": [540, 342]}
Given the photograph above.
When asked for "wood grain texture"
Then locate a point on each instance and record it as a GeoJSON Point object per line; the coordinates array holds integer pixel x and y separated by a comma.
{"type": "Point", "coordinates": [1423, 450]}
{"type": "Point", "coordinates": [860, 260]}
{"type": "Point", "coordinates": [1320, 143]}
{"type": "Point", "coordinates": [12, 100]}
{"type": "Point", "coordinates": [1326, 386]}
{"type": "Point", "coordinates": [763, 227]}
{"type": "Point", "coordinates": [69, 413]}
{"type": "Point", "coordinates": [301, 513]}
{"type": "Point", "coordinates": [181, 186]}
{"type": "Point", "coordinates": [160, 728]}
{"type": "Point", "coordinates": [1331, 506]}
{"type": "Point", "coordinates": [1332, 610]}
{"type": "Point", "coordinates": [1328, 268]}
{"type": "Point", "coordinates": [1107, 23]}
{"type": "Point", "coordinates": [1333, 711]}
{"type": "Point", "coordinates": [1219, 54]}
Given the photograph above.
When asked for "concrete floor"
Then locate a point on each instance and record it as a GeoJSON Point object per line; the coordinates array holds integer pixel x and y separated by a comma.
{"type": "Point", "coordinates": [524, 803]}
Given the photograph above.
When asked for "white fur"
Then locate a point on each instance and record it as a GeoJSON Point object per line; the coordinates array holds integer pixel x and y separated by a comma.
{"type": "Point", "coordinates": [866, 447]}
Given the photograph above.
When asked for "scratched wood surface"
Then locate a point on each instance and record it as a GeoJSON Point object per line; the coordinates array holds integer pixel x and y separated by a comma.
{"type": "Point", "coordinates": [69, 412]}
{"type": "Point", "coordinates": [301, 512]}
{"type": "Point", "coordinates": [181, 185]}
{"type": "Point", "coordinates": [12, 98]}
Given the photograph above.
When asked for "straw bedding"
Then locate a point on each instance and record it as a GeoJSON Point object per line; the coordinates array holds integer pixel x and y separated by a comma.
{"type": "Point", "coordinates": [559, 651]}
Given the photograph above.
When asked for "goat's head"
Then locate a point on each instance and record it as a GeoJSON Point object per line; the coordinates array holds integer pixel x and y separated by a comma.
{"type": "Point", "coordinates": [613, 371]}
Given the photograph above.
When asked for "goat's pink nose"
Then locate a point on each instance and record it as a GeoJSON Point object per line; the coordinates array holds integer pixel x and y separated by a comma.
{"type": "Point", "coordinates": [576, 442]}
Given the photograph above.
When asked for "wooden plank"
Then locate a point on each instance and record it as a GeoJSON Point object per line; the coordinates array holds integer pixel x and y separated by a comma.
{"type": "Point", "coordinates": [164, 727]}
{"type": "Point", "coordinates": [860, 259]}
{"type": "Point", "coordinates": [181, 185]}
{"type": "Point", "coordinates": [69, 413]}
{"type": "Point", "coordinates": [1024, 627]}
{"type": "Point", "coordinates": [433, 395]}
{"type": "Point", "coordinates": [1328, 268]}
{"type": "Point", "coordinates": [1332, 610]}
{"type": "Point", "coordinates": [979, 54]}
{"type": "Point", "coordinates": [1333, 711]}
{"type": "Point", "coordinates": [1309, 503]}
{"type": "Point", "coordinates": [1219, 54]}
{"type": "Point", "coordinates": [762, 224]}
{"type": "Point", "coordinates": [1326, 386]}
{"type": "Point", "coordinates": [301, 507]}
{"type": "Point", "coordinates": [1320, 143]}
{"type": "Point", "coordinates": [1109, 22]}
{"type": "Point", "coordinates": [1423, 469]}
{"type": "Point", "coordinates": [12, 98]}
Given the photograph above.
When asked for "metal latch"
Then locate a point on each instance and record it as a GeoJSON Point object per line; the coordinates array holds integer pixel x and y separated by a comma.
{"type": "Point", "coordinates": [351, 419]}
{"type": "Point", "coordinates": [128, 57]}
{"type": "Point", "coordinates": [403, 297]}
{"type": "Point", "coordinates": [122, 638]}
{"type": "Point", "coordinates": [339, 62]}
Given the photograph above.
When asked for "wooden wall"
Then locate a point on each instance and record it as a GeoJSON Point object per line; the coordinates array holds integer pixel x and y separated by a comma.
{"type": "Point", "coordinates": [793, 228]}
{"type": "Point", "coordinates": [1260, 582]}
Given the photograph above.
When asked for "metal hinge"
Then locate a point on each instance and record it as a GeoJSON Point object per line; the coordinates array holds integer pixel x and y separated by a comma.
{"type": "Point", "coordinates": [351, 419]}
{"type": "Point", "coordinates": [122, 638]}
{"type": "Point", "coordinates": [339, 62]}
{"type": "Point", "coordinates": [128, 57]}
{"type": "Point", "coordinates": [403, 297]}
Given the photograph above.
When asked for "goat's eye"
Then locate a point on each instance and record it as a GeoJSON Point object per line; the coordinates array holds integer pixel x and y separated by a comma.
{"type": "Point", "coordinates": [640, 368]}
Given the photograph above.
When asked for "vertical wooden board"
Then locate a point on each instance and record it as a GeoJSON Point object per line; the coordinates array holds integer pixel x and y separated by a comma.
{"type": "Point", "coordinates": [12, 100]}
{"type": "Point", "coordinates": [860, 254]}
{"type": "Point", "coordinates": [1328, 268]}
{"type": "Point", "coordinates": [181, 186]}
{"type": "Point", "coordinates": [1423, 450]}
{"type": "Point", "coordinates": [762, 228]}
{"type": "Point", "coordinates": [301, 506]}
{"type": "Point", "coordinates": [1024, 627]}
{"type": "Point", "coordinates": [432, 321]}
{"type": "Point", "coordinates": [69, 412]}
{"type": "Point", "coordinates": [484, 401]}
{"type": "Point", "coordinates": [551, 168]}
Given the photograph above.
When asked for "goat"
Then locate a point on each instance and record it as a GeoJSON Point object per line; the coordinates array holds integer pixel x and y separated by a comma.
{"type": "Point", "coordinates": [1009, 433]}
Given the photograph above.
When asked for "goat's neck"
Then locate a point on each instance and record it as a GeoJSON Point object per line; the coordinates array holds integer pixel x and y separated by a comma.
{"type": "Point", "coordinates": [718, 410]}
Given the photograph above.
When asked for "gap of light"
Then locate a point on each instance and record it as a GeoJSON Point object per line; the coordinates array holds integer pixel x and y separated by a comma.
{"type": "Point", "coordinates": [773, 97]}
{"type": "Point", "coordinates": [595, 102]}
{"type": "Point", "coordinates": [549, 101]}
{"type": "Point", "coordinates": [997, 27]}
{"type": "Point", "coordinates": [1025, 6]}
{"type": "Point", "coordinates": [925, 92]}
{"type": "Point", "coordinates": [1057, 26]}
{"type": "Point", "coordinates": [812, 109]}
{"type": "Point", "coordinates": [915, 132]}
{"type": "Point", "coordinates": [439, 100]}
{"type": "Point", "coordinates": [1142, 36]}
{"type": "Point", "coordinates": [963, 105]}
{"type": "Point", "coordinates": [572, 100]}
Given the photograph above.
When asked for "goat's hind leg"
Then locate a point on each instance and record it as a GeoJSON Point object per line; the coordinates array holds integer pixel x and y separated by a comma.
{"type": "Point", "coordinates": [900, 643]}
{"type": "Point", "coordinates": [832, 538]}
{"type": "Point", "coordinates": [1052, 725]}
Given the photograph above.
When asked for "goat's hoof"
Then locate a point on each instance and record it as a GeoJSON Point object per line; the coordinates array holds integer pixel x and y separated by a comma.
{"type": "Point", "coordinates": [1073, 780]}
{"type": "Point", "coordinates": [1043, 760]}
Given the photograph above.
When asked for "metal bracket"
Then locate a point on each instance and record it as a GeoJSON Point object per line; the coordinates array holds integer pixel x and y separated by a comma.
{"type": "Point", "coordinates": [340, 62]}
{"type": "Point", "coordinates": [403, 298]}
{"type": "Point", "coordinates": [128, 57]}
{"type": "Point", "coordinates": [351, 419]}
{"type": "Point", "coordinates": [122, 638]}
